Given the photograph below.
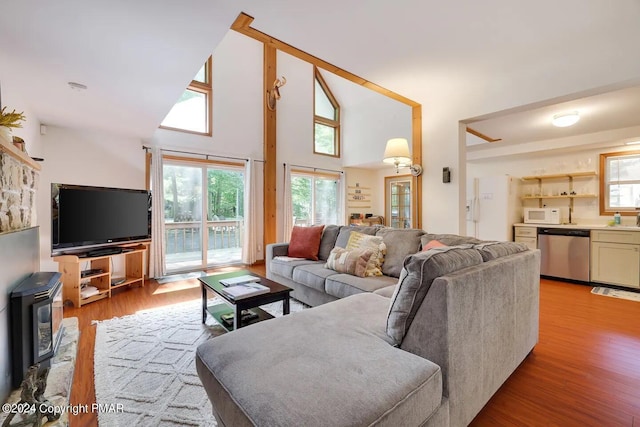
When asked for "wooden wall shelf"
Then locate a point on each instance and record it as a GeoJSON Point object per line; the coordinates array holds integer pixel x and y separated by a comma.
{"type": "Point", "coordinates": [560, 175]}
{"type": "Point", "coordinates": [20, 156]}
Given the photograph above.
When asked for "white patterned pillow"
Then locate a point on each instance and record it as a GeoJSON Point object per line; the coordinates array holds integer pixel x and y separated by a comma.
{"type": "Point", "coordinates": [352, 262]}
{"type": "Point", "coordinates": [373, 243]}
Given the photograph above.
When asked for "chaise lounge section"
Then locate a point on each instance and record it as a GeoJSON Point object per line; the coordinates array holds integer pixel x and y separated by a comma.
{"type": "Point", "coordinates": [459, 321]}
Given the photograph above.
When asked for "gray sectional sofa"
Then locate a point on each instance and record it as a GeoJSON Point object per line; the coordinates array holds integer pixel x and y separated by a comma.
{"type": "Point", "coordinates": [428, 348]}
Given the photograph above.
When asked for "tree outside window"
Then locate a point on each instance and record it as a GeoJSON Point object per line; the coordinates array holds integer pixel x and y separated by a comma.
{"type": "Point", "coordinates": [326, 119]}
{"type": "Point", "coordinates": [315, 199]}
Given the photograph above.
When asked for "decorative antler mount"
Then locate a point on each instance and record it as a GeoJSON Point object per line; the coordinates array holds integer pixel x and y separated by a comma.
{"type": "Point", "coordinates": [273, 94]}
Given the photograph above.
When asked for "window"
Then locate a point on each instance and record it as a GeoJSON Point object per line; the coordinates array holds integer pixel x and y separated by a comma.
{"type": "Point", "coordinates": [620, 183]}
{"type": "Point", "coordinates": [326, 119]}
{"type": "Point", "coordinates": [314, 198]}
{"type": "Point", "coordinates": [193, 111]}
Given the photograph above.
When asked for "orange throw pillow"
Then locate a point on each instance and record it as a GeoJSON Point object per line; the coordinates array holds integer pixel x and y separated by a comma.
{"type": "Point", "coordinates": [433, 244]}
{"type": "Point", "coordinates": [305, 242]}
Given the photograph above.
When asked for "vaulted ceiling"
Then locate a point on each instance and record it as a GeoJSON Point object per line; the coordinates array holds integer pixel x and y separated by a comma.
{"type": "Point", "coordinates": [136, 57]}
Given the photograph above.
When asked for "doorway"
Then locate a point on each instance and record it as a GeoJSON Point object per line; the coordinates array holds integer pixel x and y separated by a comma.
{"type": "Point", "coordinates": [203, 214]}
{"type": "Point", "coordinates": [398, 199]}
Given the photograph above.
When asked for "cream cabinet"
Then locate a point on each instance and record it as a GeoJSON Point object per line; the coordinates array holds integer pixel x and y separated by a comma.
{"type": "Point", "coordinates": [526, 235]}
{"type": "Point", "coordinates": [615, 257]}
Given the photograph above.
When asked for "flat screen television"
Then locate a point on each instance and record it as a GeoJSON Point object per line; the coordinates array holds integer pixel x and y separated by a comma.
{"type": "Point", "coordinates": [85, 218]}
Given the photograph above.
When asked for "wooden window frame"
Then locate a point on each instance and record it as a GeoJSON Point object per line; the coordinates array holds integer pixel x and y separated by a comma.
{"type": "Point", "coordinates": [605, 209]}
{"type": "Point", "coordinates": [206, 89]}
{"type": "Point", "coordinates": [335, 124]}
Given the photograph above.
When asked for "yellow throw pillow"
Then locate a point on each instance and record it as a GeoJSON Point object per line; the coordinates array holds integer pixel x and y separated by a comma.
{"type": "Point", "coordinates": [375, 244]}
{"type": "Point", "coordinates": [351, 262]}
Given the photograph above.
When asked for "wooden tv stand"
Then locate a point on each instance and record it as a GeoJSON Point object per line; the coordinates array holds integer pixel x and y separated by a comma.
{"type": "Point", "coordinates": [71, 267]}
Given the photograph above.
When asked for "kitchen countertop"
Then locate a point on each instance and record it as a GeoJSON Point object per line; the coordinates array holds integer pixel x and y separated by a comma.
{"type": "Point", "coordinates": [582, 226]}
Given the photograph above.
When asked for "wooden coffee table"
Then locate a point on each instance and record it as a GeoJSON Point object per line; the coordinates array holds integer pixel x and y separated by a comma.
{"type": "Point", "coordinates": [277, 292]}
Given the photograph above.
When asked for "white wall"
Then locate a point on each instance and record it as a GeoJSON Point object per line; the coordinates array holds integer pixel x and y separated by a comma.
{"type": "Point", "coordinates": [586, 211]}
{"type": "Point", "coordinates": [368, 120]}
{"type": "Point", "coordinates": [30, 130]}
{"type": "Point", "coordinates": [237, 104]}
{"type": "Point", "coordinates": [367, 178]}
{"type": "Point", "coordinates": [84, 158]}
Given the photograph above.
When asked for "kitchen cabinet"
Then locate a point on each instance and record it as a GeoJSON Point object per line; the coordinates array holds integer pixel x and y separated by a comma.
{"type": "Point", "coordinates": [615, 257]}
{"type": "Point", "coordinates": [526, 235]}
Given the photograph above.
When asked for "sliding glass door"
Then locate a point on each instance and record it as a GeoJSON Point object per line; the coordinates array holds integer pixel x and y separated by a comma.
{"type": "Point", "coordinates": [203, 214]}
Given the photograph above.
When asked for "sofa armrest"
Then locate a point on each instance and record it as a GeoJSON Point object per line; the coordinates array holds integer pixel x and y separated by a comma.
{"type": "Point", "coordinates": [274, 250]}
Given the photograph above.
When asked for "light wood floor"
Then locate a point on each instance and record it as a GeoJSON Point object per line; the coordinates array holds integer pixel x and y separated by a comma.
{"type": "Point", "coordinates": [585, 370]}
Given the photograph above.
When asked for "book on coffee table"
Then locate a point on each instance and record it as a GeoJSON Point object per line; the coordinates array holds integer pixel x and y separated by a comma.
{"type": "Point", "coordinates": [245, 290]}
{"type": "Point", "coordinates": [239, 280]}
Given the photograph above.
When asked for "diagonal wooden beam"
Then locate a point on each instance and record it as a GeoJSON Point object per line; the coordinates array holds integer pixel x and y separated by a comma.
{"type": "Point", "coordinates": [242, 24]}
{"type": "Point", "coordinates": [482, 135]}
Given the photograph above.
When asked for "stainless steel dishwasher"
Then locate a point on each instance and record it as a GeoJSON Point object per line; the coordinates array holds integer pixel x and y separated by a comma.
{"type": "Point", "coordinates": [564, 253]}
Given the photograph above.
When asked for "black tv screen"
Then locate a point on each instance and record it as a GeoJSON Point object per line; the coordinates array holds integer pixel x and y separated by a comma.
{"type": "Point", "coordinates": [84, 217]}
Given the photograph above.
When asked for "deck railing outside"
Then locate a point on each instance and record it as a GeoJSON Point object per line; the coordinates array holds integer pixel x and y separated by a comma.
{"type": "Point", "coordinates": [183, 239]}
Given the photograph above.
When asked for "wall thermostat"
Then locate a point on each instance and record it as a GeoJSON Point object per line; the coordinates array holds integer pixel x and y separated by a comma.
{"type": "Point", "coordinates": [446, 175]}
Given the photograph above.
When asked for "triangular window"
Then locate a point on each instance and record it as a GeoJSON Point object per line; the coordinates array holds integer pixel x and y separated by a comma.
{"type": "Point", "coordinates": [326, 119]}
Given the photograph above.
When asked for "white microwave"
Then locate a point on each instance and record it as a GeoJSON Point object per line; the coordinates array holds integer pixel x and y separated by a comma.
{"type": "Point", "coordinates": [542, 215]}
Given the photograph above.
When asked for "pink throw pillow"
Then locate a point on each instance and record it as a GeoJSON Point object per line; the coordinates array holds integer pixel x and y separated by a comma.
{"type": "Point", "coordinates": [433, 244]}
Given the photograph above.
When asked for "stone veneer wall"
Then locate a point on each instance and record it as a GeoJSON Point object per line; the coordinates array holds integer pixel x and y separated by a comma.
{"type": "Point", "coordinates": [18, 185]}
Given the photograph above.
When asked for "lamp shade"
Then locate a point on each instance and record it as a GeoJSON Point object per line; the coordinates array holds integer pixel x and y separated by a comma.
{"type": "Point", "coordinates": [397, 152]}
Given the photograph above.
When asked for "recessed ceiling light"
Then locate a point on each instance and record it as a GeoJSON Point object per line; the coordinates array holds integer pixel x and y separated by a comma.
{"type": "Point", "coordinates": [567, 119]}
{"type": "Point", "coordinates": [632, 143]}
{"type": "Point", "coordinates": [77, 86]}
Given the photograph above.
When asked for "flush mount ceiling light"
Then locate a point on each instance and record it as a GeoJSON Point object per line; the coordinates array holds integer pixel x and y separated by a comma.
{"type": "Point", "coordinates": [566, 119]}
{"type": "Point", "coordinates": [77, 86]}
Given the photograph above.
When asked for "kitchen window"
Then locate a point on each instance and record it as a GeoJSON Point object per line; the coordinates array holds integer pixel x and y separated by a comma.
{"type": "Point", "coordinates": [620, 183]}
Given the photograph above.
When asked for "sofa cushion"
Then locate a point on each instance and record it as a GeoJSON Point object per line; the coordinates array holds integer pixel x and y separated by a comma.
{"type": "Point", "coordinates": [312, 275]}
{"type": "Point", "coordinates": [418, 273]}
{"type": "Point", "coordinates": [328, 241]}
{"type": "Point", "coordinates": [373, 243]}
{"type": "Point", "coordinates": [352, 261]}
{"type": "Point", "coordinates": [305, 242]}
{"type": "Point", "coordinates": [344, 285]}
{"type": "Point", "coordinates": [400, 242]}
{"type": "Point", "coordinates": [284, 266]}
{"type": "Point", "coordinates": [345, 233]}
{"type": "Point", "coordinates": [386, 292]}
{"type": "Point", "coordinates": [253, 378]}
{"type": "Point", "coordinates": [449, 239]}
{"type": "Point", "coordinates": [493, 250]}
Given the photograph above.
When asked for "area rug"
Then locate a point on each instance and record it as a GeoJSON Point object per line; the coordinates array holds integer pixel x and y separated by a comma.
{"type": "Point", "coordinates": [615, 293]}
{"type": "Point", "coordinates": [145, 366]}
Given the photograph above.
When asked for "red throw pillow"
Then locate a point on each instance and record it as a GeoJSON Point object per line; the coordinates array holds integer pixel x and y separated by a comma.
{"type": "Point", "coordinates": [305, 242]}
{"type": "Point", "coordinates": [433, 244]}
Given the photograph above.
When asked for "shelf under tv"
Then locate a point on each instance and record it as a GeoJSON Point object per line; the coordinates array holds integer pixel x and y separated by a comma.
{"type": "Point", "coordinates": [71, 268]}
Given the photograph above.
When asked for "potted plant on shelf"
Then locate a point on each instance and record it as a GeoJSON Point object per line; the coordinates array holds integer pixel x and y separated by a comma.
{"type": "Point", "coordinates": [8, 121]}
